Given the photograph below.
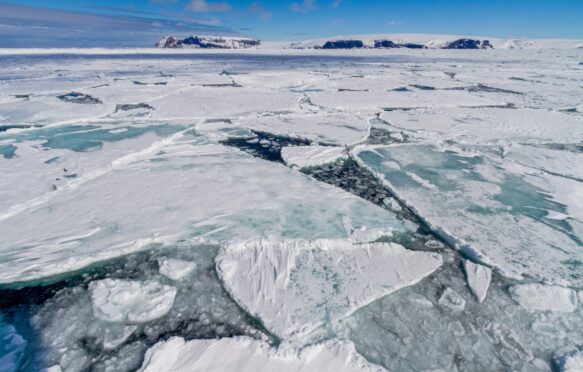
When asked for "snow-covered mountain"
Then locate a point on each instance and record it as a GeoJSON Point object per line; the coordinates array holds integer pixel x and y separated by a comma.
{"type": "Point", "coordinates": [207, 42]}
{"type": "Point", "coordinates": [425, 41]}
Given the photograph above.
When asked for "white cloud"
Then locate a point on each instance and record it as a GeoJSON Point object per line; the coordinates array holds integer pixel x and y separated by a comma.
{"type": "Point", "coordinates": [204, 6]}
{"type": "Point", "coordinates": [393, 23]}
{"type": "Point", "coordinates": [304, 6]}
{"type": "Point", "coordinates": [257, 8]}
{"type": "Point", "coordinates": [335, 4]}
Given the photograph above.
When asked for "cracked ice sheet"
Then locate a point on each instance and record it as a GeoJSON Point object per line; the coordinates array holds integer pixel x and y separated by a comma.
{"type": "Point", "coordinates": [35, 169]}
{"type": "Point", "coordinates": [179, 189]}
{"type": "Point", "coordinates": [483, 209]}
{"type": "Point", "coordinates": [371, 101]}
{"type": "Point", "coordinates": [295, 286]}
{"type": "Point", "coordinates": [334, 128]}
{"type": "Point", "coordinates": [245, 354]}
{"type": "Point", "coordinates": [488, 125]}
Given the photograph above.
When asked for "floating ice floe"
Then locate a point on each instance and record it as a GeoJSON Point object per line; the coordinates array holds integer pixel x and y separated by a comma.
{"type": "Point", "coordinates": [452, 300]}
{"type": "Point", "coordinates": [12, 347]}
{"type": "Point", "coordinates": [244, 354]}
{"type": "Point", "coordinates": [295, 286]}
{"type": "Point", "coordinates": [312, 156]}
{"type": "Point", "coordinates": [544, 297]}
{"type": "Point", "coordinates": [175, 269]}
{"type": "Point", "coordinates": [130, 301]}
{"type": "Point", "coordinates": [486, 210]}
{"type": "Point", "coordinates": [478, 277]}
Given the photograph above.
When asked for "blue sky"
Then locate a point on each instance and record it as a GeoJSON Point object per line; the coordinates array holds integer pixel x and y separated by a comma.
{"type": "Point", "coordinates": [31, 23]}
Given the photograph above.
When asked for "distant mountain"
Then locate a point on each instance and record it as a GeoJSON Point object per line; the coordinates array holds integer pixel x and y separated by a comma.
{"type": "Point", "coordinates": [421, 41]}
{"type": "Point", "coordinates": [208, 42]}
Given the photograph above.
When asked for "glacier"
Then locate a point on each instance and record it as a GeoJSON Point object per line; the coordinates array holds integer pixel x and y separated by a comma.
{"type": "Point", "coordinates": [293, 209]}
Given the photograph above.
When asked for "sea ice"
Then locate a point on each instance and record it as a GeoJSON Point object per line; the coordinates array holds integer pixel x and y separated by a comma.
{"type": "Point", "coordinates": [312, 156]}
{"type": "Point", "coordinates": [569, 359]}
{"type": "Point", "coordinates": [479, 277]}
{"type": "Point", "coordinates": [175, 269]}
{"type": "Point", "coordinates": [294, 286]}
{"type": "Point", "coordinates": [451, 299]}
{"type": "Point", "coordinates": [247, 355]}
{"type": "Point", "coordinates": [544, 297]}
{"type": "Point", "coordinates": [130, 301]}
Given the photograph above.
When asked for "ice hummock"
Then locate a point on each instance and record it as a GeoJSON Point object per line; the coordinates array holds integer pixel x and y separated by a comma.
{"type": "Point", "coordinates": [479, 277]}
{"type": "Point", "coordinates": [295, 286]}
{"type": "Point", "coordinates": [247, 355]}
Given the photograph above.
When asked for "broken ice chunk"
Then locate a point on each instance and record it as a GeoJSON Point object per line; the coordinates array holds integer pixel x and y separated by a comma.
{"type": "Point", "coordinates": [312, 156]}
{"type": "Point", "coordinates": [452, 300]}
{"type": "Point", "coordinates": [117, 300]}
{"type": "Point", "coordinates": [244, 354]}
{"type": "Point", "coordinates": [80, 98]}
{"type": "Point", "coordinates": [175, 269]}
{"type": "Point", "coordinates": [116, 335]}
{"type": "Point", "coordinates": [478, 277]}
{"type": "Point", "coordinates": [295, 286]}
{"type": "Point", "coordinates": [544, 297]}
{"type": "Point", "coordinates": [12, 347]}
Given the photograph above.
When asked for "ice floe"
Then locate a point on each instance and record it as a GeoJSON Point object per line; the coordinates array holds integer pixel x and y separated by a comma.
{"type": "Point", "coordinates": [247, 355]}
{"type": "Point", "coordinates": [312, 156]}
{"type": "Point", "coordinates": [542, 297]}
{"type": "Point", "coordinates": [131, 301]}
{"type": "Point", "coordinates": [479, 277]}
{"type": "Point", "coordinates": [295, 286]}
{"type": "Point", "coordinates": [175, 269]}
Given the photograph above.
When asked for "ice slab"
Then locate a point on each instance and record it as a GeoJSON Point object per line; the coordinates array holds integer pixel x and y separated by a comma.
{"type": "Point", "coordinates": [131, 301]}
{"type": "Point", "coordinates": [175, 269]}
{"type": "Point", "coordinates": [183, 189]}
{"type": "Point", "coordinates": [452, 300]}
{"type": "Point", "coordinates": [478, 277]}
{"type": "Point", "coordinates": [488, 125]}
{"type": "Point", "coordinates": [544, 297]}
{"type": "Point", "coordinates": [312, 156]}
{"type": "Point", "coordinates": [295, 286]}
{"type": "Point", "coordinates": [484, 209]}
{"type": "Point", "coordinates": [247, 355]}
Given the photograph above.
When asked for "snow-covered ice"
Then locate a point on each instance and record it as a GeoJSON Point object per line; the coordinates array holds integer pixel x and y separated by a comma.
{"type": "Point", "coordinates": [312, 156]}
{"type": "Point", "coordinates": [544, 297]}
{"type": "Point", "coordinates": [479, 277]}
{"type": "Point", "coordinates": [247, 355]}
{"type": "Point", "coordinates": [130, 301]}
{"type": "Point", "coordinates": [151, 200]}
{"type": "Point", "coordinates": [294, 286]}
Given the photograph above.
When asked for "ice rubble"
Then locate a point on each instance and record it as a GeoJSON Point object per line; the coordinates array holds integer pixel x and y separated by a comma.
{"type": "Point", "coordinates": [483, 209]}
{"type": "Point", "coordinates": [312, 156]}
{"type": "Point", "coordinates": [247, 355]}
{"type": "Point", "coordinates": [294, 286]}
{"type": "Point", "coordinates": [130, 301]}
{"type": "Point", "coordinates": [544, 297]}
{"type": "Point", "coordinates": [569, 359]}
{"type": "Point", "coordinates": [175, 269]}
{"type": "Point", "coordinates": [479, 278]}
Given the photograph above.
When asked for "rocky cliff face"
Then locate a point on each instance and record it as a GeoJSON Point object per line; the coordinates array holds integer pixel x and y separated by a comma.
{"type": "Point", "coordinates": [208, 42]}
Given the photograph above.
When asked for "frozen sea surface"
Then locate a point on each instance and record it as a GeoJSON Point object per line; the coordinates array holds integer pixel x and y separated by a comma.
{"type": "Point", "coordinates": [294, 211]}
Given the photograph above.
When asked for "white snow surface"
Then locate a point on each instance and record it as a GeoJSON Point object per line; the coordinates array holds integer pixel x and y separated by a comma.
{"type": "Point", "coordinates": [130, 301]}
{"type": "Point", "coordinates": [294, 286]}
{"type": "Point", "coordinates": [312, 156]}
{"type": "Point", "coordinates": [243, 354]}
{"type": "Point", "coordinates": [478, 277]}
{"type": "Point", "coordinates": [542, 297]}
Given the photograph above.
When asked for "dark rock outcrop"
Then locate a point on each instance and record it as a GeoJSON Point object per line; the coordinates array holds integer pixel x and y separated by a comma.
{"type": "Point", "coordinates": [207, 42]}
{"type": "Point", "coordinates": [343, 44]}
{"type": "Point", "coordinates": [469, 44]}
